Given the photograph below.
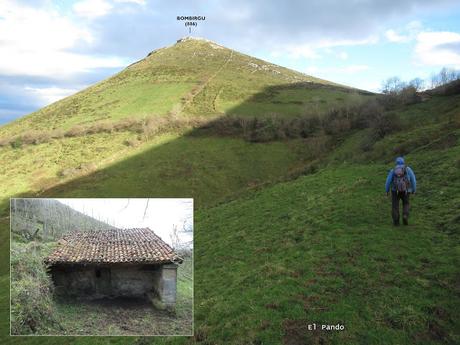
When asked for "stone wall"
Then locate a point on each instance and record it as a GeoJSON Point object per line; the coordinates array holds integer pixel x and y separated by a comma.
{"type": "Point", "coordinates": [165, 284]}
{"type": "Point", "coordinates": [96, 281]}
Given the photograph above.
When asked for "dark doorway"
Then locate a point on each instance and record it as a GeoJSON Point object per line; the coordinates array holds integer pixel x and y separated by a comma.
{"type": "Point", "coordinates": [103, 281]}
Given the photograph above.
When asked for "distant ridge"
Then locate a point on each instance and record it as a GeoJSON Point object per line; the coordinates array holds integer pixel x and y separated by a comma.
{"type": "Point", "coordinates": [164, 79]}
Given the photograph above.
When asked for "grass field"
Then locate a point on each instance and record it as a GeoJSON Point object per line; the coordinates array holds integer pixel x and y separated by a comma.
{"type": "Point", "coordinates": [276, 250]}
{"type": "Point", "coordinates": [322, 249]}
{"type": "Point", "coordinates": [318, 249]}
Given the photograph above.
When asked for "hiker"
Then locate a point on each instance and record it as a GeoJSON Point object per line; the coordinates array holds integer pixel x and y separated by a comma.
{"type": "Point", "coordinates": [402, 182]}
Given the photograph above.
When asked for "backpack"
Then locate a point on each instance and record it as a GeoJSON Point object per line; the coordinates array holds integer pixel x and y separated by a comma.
{"type": "Point", "coordinates": [400, 180]}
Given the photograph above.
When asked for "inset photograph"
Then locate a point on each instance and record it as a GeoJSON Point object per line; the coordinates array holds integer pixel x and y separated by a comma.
{"type": "Point", "coordinates": [101, 267]}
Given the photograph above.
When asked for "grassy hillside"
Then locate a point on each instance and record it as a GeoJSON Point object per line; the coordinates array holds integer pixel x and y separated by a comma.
{"type": "Point", "coordinates": [320, 248]}
{"type": "Point", "coordinates": [155, 101]}
{"type": "Point", "coordinates": [275, 249]}
{"type": "Point", "coordinates": [192, 77]}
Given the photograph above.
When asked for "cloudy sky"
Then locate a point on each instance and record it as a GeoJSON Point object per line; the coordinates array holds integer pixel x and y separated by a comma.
{"type": "Point", "coordinates": [51, 49]}
{"type": "Point", "coordinates": [161, 214]}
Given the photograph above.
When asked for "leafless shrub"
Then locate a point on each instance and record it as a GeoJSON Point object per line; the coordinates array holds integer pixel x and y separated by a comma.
{"type": "Point", "coordinates": [363, 114]}
{"type": "Point", "coordinates": [380, 126]}
{"type": "Point", "coordinates": [35, 137]}
{"type": "Point", "coordinates": [76, 131]}
{"type": "Point", "coordinates": [67, 172]}
{"type": "Point", "coordinates": [81, 169]}
{"type": "Point", "coordinates": [385, 124]}
{"type": "Point", "coordinates": [131, 142]}
{"type": "Point", "coordinates": [150, 127]}
{"type": "Point", "coordinates": [225, 126]}
{"type": "Point", "coordinates": [57, 133]}
{"type": "Point", "coordinates": [336, 121]}
{"type": "Point", "coordinates": [128, 124]}
{"type": "Point", "coordinates": [100, 127]}
{"type": "Point", "coordinates": [87, 167]}
{"type": "Point", "coordinates": [318, 145]}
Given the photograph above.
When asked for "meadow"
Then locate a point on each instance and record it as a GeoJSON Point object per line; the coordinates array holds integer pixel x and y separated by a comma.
{"type": "Point", "coordinates": [289, 230]}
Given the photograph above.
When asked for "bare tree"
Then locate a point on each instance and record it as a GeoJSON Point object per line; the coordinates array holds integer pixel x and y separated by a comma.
{"type": "Point", "coordinates": [126, 206]}
{"type": "Point", "coordinates": [392, 85]}
{"type": "Point", "coordinates": [146, 208]}
{"type": "Point", "coordinates": [444, 76]}
{"type": "Point", "coordinates": [418, 84]}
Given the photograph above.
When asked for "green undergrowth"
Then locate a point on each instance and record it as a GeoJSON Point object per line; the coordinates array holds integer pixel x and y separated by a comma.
{"type": "Point", "coordinates": [32, 307]}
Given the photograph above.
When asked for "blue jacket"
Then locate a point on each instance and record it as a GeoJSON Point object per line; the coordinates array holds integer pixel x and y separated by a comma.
{"type": "Point", "coordinates": [410, 174]}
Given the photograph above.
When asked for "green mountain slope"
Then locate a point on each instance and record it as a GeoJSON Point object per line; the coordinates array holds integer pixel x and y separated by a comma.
{"type": "Point", "coordinates": [157, 100]}
{"type": "Point", "coordinates": [194, 76]}
{"type": "Point", "coordinates": [271, 256]}
{"type": "Point", "coordinates": [320, 248]}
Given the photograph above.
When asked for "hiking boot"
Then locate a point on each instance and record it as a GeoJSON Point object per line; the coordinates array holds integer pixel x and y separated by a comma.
{"type": "Point", "coordinates": [405, 221]}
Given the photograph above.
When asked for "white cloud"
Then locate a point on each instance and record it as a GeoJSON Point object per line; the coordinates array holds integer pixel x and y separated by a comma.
{"type": "Point", "coordinates": [36, 42]}
{"type": "Point", "coordinates": [370, 86]}
{"type": "Point", "coordinates": [342, 55]}
{"type": "Point", "coordinates": [438, 48]}
{"type": "Point", "coordinates": [52, 64]}
{"type": "Point", "coordinates": [393, 36]}
{"type": "Point", "coordinates": [414, 27]}
{"type": "Point", "coordinates": [92, 8]}
{"type": "Point", "coordinates": [311, 70]}
{"type": "Point", "coordinates": [327, 72]}
{"type": "Point", "coordinates": [138, 2]}
{"type": "Point", "coordinates": [350, 69]}
{"type": "Point", "coordinates": [49, 95]}
{"type": "Point", "coordinates": [407, 34]}
{"type": "Point", "coordinates": [312, 50]}
{"type": "Point", "coordinates": [27, 29]}
{"type": "Point", "coordinates": [347, 42]}
{"type": "Point", "coordinates": [305, 51]}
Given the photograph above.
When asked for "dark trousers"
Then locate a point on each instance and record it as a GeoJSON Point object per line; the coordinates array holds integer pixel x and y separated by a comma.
{"type": "Point", "coordinates": [395, 198]}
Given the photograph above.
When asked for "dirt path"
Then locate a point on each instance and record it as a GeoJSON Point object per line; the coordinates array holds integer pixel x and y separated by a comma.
{"type": "Point", "coordinates": [196, 92]}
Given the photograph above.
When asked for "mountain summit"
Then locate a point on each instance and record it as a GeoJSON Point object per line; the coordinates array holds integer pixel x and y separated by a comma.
{"type": "Point", "coordinates": [194, 38]}
{"type": "Point", "coordinates": [195, 76]}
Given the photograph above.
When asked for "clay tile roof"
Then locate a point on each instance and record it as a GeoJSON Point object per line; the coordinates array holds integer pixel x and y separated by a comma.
{"type": "Point", "coordinates": [112, 246]}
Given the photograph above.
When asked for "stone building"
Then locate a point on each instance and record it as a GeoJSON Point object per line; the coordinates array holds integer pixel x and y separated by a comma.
{"type": "Point", "coordinates": [114, 263]}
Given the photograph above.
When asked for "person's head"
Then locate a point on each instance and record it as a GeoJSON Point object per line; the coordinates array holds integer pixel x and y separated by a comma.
{"type": "Point", "coordinates": [399, 161]}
